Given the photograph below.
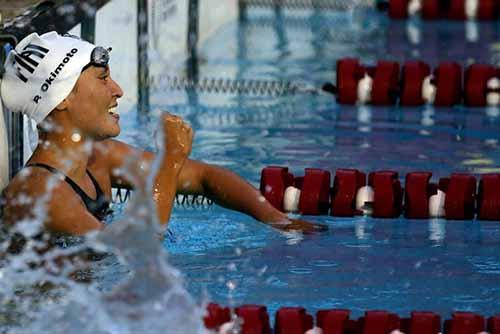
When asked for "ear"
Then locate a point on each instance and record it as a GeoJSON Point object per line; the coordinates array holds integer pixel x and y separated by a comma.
{"type": "Point", "coordinates": [62, 106]}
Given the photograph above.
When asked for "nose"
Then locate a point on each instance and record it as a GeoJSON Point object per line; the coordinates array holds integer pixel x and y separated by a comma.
{"type": "Point", "coordinates": [116, 90]}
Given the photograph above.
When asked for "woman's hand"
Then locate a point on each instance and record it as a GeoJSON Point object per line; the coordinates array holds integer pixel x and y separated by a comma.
{"type": "Point", "coordinates": [177, 138]}
{"type": "Point", "coordinates": [296, 225]}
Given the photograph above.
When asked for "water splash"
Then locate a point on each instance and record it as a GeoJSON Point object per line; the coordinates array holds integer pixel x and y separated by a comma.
{"type": "Point", "coordinates": [36, 293]}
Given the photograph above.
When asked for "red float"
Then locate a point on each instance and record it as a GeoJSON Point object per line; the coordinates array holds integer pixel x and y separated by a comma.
{"type": "Point", "coordinates": [417, 194]}
{"type": "Point", "coordinates": [255, 319]}
{"type": "Point", "coordinates": [273, 182]}
{"type": "Point", "coordinates": [494, 324]}
{"type": "Point", "coordinates": [345, 187]}
{"type": "Point", "coordinates": [460, 196]}
{"type": "Point", "coordinates": [292, 320]}
{"type": "Point", "coordinates": [487, 10]}
{"type": "Point", "coordinates": [432, 9]}
{"type": "Point", "coordinates": [488, 199]}
{"type": "Point", "coordinates": [379, 322]}
{"type": "Point", "coordinates": [349, 72]}
{"type": "Point", "coordinates": [476, 79]}
{"type": "Point", "coordinates": [414, 73]}
{"type": "Point", "coordinates": [315, 194]}
{"type": "Point", "coordinates": [398, 9]}
{"type": "Point", "coordinates": [464, 323]}
{"type": "Point", "coordinates": [424, 323]}
{"type": "Point", "coordinates": [448, 84]}
{"type": "Point", "coordinates": [333, 321]}
{"type": "Point", "coordinates": [387, 194]}
{"type": "Point", "coordinates": [385, 83]}
{"type": "Point", "coordinates": [216, 316]}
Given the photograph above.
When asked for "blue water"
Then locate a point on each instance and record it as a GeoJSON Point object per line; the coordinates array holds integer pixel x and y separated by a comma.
{"type": "Point", "coordinates": [361, 263]}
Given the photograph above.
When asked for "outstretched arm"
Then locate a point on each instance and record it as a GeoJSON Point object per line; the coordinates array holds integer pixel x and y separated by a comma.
{"type": "Point", "coordinates": [179, 174]}
{"type": "Point", "coordinates": [231, 191]}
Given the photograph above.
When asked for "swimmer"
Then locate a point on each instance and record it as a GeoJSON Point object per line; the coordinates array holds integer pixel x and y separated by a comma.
{"type": "Point", "coordinates": [64, 84]}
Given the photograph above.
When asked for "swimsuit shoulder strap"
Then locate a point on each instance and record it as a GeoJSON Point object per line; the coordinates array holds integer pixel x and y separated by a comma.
{"type": "Point", "coordinates": [98, 207]}
{"type": "Point", "coordinates": [97, 187]}
{"type": "Point", "coordinates": [68, 180]}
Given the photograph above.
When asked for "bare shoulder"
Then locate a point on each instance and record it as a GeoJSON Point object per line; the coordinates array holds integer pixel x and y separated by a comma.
{"type": "Point", "coordinates": [32, 188]}
{"type": "Point", "coordinates": [118, 154]}
{"type": "Point", "coordinates": [23, 191]}
{"type": "Point", "coordinates": [112, 151]}
{"type": "Point", "coordinates": [30, 181]}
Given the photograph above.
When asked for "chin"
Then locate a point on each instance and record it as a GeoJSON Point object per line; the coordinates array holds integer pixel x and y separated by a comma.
{"type": "Point", "coordinates": [108, 133]}
{"type": "Point", "coordinates": [116, 132]}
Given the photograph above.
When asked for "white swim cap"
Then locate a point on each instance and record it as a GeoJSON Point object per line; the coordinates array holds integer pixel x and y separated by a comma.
{"type": "Point", "coordinates": [41, 72]}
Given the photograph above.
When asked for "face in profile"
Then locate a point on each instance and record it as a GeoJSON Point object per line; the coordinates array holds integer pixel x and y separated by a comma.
{"type": "Point", "coordinates": [92, 104]}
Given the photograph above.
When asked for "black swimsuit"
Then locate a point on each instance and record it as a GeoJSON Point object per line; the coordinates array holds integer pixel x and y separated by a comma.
{"type": "Point", "coordinates": [98, 207]}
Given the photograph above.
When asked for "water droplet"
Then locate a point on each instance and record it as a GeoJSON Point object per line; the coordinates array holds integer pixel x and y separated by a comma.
{"type": "Point", "coordinates": [262, 271]}
{"type": "Point", "coordinates": [76, 137]}
{"type": "Point", "coordinates": [231, 285]}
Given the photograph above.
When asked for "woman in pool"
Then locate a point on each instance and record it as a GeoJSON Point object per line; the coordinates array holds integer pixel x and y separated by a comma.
{"type": "Point", "coordinates": [64, 84]}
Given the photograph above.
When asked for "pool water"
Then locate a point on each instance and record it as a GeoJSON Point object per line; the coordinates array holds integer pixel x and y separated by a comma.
{"type": "Point", "coordinates": [360, 263]}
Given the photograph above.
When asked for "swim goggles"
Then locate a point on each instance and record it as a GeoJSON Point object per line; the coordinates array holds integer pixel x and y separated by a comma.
{"type": "Point", "coordinates": [99, 56]}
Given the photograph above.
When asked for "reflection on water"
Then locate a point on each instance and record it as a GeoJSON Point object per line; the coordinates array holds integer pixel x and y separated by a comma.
{"type": "Point", "coordinates": [437, 230]}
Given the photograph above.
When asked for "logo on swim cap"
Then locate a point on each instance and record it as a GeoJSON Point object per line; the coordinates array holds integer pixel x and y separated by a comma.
{"type": "Point", "coordinates": [26, 59]}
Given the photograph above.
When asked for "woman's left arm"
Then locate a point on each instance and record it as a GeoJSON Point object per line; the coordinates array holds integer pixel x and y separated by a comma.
{"type": "Point", "coordinates": [216, 183]}
{"type": "Point", "coordinates": [233, 192]}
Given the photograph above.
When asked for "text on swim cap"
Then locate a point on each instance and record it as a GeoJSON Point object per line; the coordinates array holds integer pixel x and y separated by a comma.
{"type": "Point", "coordinates": [55, 72]}
{"type": "Point", "coordinates": [26, 59]}
{"type": "Point", "coordinates": [53, 75]}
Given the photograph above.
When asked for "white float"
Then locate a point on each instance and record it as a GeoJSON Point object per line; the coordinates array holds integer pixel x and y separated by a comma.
{"type": "Point", "coordinates": [315, 330]}
{"type": "Point", "coordinates": [436, 205]}
{"type": "Point", "coordinates": [429, 90]}
{"type": "Point", "coordinates": [414, 7]}
{"type": "Point", "coordinates": [364, 91]}
{"type": "Point", "coordinates": [364, 200]}
{"type": "Point", "coordinates": [493, 98]}
{"type": "Point", "coordinates": [471, 9]}
{"type": "Point", "coordinates": [291, 199]}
